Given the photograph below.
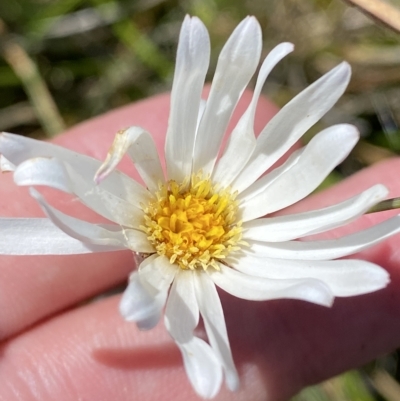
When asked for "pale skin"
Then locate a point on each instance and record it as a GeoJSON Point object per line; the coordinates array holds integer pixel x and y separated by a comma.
{"type": "Point", "coordinates": [53, 349]}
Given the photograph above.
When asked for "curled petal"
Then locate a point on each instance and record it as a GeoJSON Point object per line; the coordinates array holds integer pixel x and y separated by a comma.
{"type": "Point", "coordinates": [261, 289]}
{"type": "Point", "coordinates": [143, 300]}
{"type": "Point", "coordinates": [345, 277]}
{"type": "Point", "coordinates": [17, 149]}
{"type": "Point", "coordinates": [138, 305]}
{"type": "Point", "coordinates": [55, 174]}
{"type": "Point", "coordinates": [141, 148]}
{"type": "Point", "coordinates": [43, 171]}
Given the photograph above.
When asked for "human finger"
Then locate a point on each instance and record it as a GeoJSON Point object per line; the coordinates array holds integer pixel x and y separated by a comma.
{"type": "Point", "coordinates": [91, 353]}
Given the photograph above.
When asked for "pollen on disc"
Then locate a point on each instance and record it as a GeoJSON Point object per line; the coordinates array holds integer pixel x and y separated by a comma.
{"type": "Point", "coordinates": [193, 224]}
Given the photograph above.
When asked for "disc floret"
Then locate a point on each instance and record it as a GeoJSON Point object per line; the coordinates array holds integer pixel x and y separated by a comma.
{"type": "Point", "coordinates": [194, 224]}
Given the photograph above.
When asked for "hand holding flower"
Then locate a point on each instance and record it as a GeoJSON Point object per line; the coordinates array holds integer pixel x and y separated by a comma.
{"type": "Point", "coordinates": [311, 283]}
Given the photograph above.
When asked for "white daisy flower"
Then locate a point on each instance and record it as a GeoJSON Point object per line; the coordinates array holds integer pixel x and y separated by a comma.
{"type": "Point", "coordinates": [203, 224]}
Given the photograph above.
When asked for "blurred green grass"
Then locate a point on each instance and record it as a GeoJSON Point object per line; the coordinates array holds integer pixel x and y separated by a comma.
{"type": "Point", "coordinates": [63, 62]}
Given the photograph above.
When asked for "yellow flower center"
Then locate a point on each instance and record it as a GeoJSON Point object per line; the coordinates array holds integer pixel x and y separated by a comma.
{"type": "Point", "coordinates": [193, 225]}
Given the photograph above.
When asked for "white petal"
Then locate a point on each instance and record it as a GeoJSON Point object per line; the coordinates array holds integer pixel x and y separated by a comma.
{"type": "Point", "coordinates": [137, 241]}
{"type": "Point", "coordinates": [156, 273]}
{"type": "Point", "coordinates": [242, 141]}
{"type": "Point", "coordinates": [182, 311]}
{"type": "Point", "coordinates": [293, 120]}
{"type": "Point", "coordinates": [191, 67]}
{"type": "Point", "coordinates": [324, 152]}
{"type": "Point", "coordinates": [284, 228]}
{"type": "Point", "coordinates": [105, 203]}
{"type": "Point", "coordinates": [43, 171]}
{"type": "Point", "coordinates": [202, 367]}
{"type": "Point", "coordinates": [236, 65]}
{"type": "Point", "coordinates": [62, 176]}
{"type": "Point", "coordinates": [18, 148]}
{"type": "Point", "coordinates": [214, 321]}
{"type": "Point", "coordinates": [291, 161]}
{"type": "Point", "coordinates": [344, 277]}
{"type": "Point", "coordinates": [261, 289]}
{"type": "Point", "coordinates": [79, 229]}
{"type": "Point", "coordinates": [181, 317]}
{"type": "Point", "coordinates": [137, 305]}
{"type": "Point", "coordinates": [152, 321]}
{"type": "Point", "coordinates": [141, 149]}
{"type": "Point", "coordinates": [142, 302]}
{"type": "Point", "coordinates": [328, 249]}
{"type": "Point", "coordinates": [38, 236]}
{"type": "Point", "coordinates": [202, 107]}
{"type": "Point", "coordinates": [6, 165]}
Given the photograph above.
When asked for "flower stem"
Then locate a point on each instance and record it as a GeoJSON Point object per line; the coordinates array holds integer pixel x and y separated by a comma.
{"type": "Point", "coordinates": [388, 204]}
